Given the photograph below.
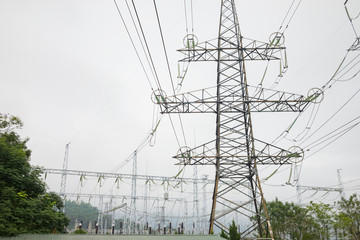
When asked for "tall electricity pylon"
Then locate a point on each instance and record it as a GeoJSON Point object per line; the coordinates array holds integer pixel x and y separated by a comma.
{"type": "Point", "coordinates": [133, 216]}
{"type": "Point", "coordinates": [235, 152]}
{"type": "Point", "coordinates": [64, 174]}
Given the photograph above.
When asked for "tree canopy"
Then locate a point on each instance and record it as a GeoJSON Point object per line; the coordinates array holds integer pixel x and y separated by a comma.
{"type": "Point", "coordinates": [26, 205]}
{"type": "Point", "coordinates": [320, 221]}
{"type": "Point", "coordinates": [82, 211]}
{"type": "Point", "coordinates": [316, 220]}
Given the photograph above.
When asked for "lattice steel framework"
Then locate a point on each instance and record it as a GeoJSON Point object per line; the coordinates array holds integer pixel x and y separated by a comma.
{"type": "Point", "coordinates": [64, 174]}
{"type": "Point", "coordinates": [237, 187]}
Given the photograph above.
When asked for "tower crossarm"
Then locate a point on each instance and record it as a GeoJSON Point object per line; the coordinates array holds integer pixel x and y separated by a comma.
{"type": "Point", "coordinates": [261, 100]}
{"type": "Point", "coordinates": [268, 155]}
{"type": "Point", "coordinates": [122, 176]}
{"type": "Point", "coordinates": [253, 50]}
{"type": "Point", "coordinates": [324, 189]}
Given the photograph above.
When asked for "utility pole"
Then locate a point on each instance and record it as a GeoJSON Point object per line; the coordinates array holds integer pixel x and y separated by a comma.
{"type": "Point", "coordinates": [145, 204]}
{"type": "Point", "coordinates": [195, 226]}
{"type": "Point", "coordinates": [63, 175]}
{"type": "Point", "coordinates": [133, 194]}
{"type": "Point", "coordinates": [297, 178]}
{"type": "Point", "coordinates": [204, 178]}
{"type": "Point", "coordinates": [235, 152]}
{"type": "Point", "coordinates": [341, 186]}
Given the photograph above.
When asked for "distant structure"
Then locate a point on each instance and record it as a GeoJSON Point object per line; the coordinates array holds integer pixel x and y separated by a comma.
{"type": "Point", "coordinates": [340, 189]}
{"type": "Point", "coordinates": [64, 174]}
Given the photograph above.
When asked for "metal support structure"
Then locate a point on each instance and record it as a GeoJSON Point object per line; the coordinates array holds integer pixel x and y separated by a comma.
{"type": "Point", "coordinates": [145, 204]}
{"type": "Point", "coordinates": [109, 196]}
{"type": "Point", "coordinates": [203, 220]}
{"type": "Point", "coordinates": [233, 151]}
{"type": "Point", "coordinates": [105, 175]}
{"type": "Point", "coordinates": [64, 174]}
{"type": "Point", "coordinates": [133, 193]}
{"type": "Point", "coordinates": [340, 189]}
{"type": "Point", "coordinates": [297, 177]}
{"type": "Point", "coordinates": [323, 189]}
{"type": "Point", "coordinates": [195, 203]}
{"type": "Point", "coordinates": [341, 186]}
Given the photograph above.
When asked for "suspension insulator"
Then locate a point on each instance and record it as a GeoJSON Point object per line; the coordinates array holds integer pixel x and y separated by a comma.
{"type": "Point", "coordinates": [185, 154]}
{"type": "Point", "coordinates": [158, 96]}
{"type": "Point", "coordinates": [296, 154]}
{"type": "Point", "coordinates": [315, 95]}
{"type": "Point", "coordinates": [276, 39]}
{"type": "Point", "coordinates": [190, 41]}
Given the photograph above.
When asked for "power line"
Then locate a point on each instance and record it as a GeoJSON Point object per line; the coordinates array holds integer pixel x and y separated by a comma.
{"type": "Point", "coordinates": [322, 125]}
{"type": "Point", "coordinates": [339, 133]}
{"type": "Point", "coordinates": [168, 66]}
{"type": "Point", "coordinates": [140, 40]}
{"type": "Point", "coordinates": [133, 44]}
{"type": "Point", "coordinates": [146, 44]}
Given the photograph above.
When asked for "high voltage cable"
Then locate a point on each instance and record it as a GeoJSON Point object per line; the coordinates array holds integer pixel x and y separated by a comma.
{"type": "Point", "coordinates": [192, 17]}
{"type": "Point", "coordinates": [287, 25]}
{"type": "Point", "coordinates": [351, 19]}
{"type": "Point", "coordinates": [339, 133]}
{"type": "Point", "coordinates": [186, 18]}
{"type": "Point", "coordinates": [140, 40]}
{"type": "Point", "coordinates": [287, 13]}
{"type": "Point", "coordinates": [133, 44]}
{"type": "Point", "coordinates": [315, 143]}
{"type": "Point", "coordinates": [332, 116]}
{"type": "Point", "coordinates": [168, 66]}
{"type": "Point", "coordinates": [147, 46]}
{"type": "Point", "coordinates": [152, 63]}
{"type": "Point", "coordinates": [283, 134]}
{"type": "Point", "coordinates": [343, 132]}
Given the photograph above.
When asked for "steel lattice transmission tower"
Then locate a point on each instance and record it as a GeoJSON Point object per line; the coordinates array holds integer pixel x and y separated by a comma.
{"type": "Point", "coordinates": [64, 174]}
{"type": "Point", "coordinates": [235, 152]}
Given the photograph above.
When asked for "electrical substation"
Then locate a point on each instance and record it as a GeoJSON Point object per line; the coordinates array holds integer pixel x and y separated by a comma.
{"type": "Point", "coordinates": [237, 163]}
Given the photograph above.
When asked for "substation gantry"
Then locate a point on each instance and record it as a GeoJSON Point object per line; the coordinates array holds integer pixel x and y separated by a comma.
{"type": "Point", "coordinates": [235, 152]}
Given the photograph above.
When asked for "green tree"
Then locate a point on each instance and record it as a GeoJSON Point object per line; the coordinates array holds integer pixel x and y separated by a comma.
{"type": "Point", "coordinates": [26, 206]}
{"type": "Point", "coordinates": [223, 234]}
{"type": "Point", "coordinates": [289, 220]}
{"type": "Point", "coordinates": [323, 216]}
{"type": "Point", "coordinates": [348, 218]}
{"type": "Point", "coordinates": [82, 211]}
{"type": "Point", "coordinates": [233, 233]}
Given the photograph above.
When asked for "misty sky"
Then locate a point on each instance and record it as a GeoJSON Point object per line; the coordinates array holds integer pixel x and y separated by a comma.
{"type": "Point", "coordinates": [69, 71]}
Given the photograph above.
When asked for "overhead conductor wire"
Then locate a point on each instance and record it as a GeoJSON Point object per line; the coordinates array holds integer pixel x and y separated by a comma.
{"type": "Point", "coordinates": [168, 66]}
{"type": "Point", "coordinates": [133, 44]}
{"type": "Point", "coordinates": [152, 63]}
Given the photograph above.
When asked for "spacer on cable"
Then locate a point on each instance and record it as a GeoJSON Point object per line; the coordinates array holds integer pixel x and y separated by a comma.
{"type": "Point", "coordinates": [190, 41]}
{"type": "Point", "coordinates": [296, 154]}
{"type": "Point", "coordinates": [158, 96]}
{"type": "Point", "coordinates": [276, 39]}
{"type": "Point", "coordinates": [185, 154]}
{"type": "Point", "coordinates": [315, 95]}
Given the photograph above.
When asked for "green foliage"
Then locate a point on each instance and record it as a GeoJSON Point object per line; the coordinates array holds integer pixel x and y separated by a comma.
{"type": "Point", "coordinates": [316, 221]}
{"type": "Point", "coordinates": [323, 219]}
{"type": "Point", "coordinates": [81, 212]}
{"type": "Point", "coordinates": [233, 233]}
{"type": "Point", "coordinates": [223, 234]}
{"type": "Point", "coordinates": [348, 218]}
{"type": "Point", "coordinates": [25, 205]}
{"type": "Point", "coordinates": [80, 231]}
{"type": "Point", "coordinates": [285, 219]}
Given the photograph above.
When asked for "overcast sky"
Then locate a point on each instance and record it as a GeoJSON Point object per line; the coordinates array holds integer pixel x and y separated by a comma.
{"type": "Point", "coordinates": [69, 71]}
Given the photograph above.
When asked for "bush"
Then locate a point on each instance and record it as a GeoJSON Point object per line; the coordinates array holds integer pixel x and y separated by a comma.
{"type": "Point", "coordinates": [80, 231]}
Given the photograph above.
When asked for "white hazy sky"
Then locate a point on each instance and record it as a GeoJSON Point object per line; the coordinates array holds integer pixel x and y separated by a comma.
{"type": "Point", "coordinates": [68, 70]}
